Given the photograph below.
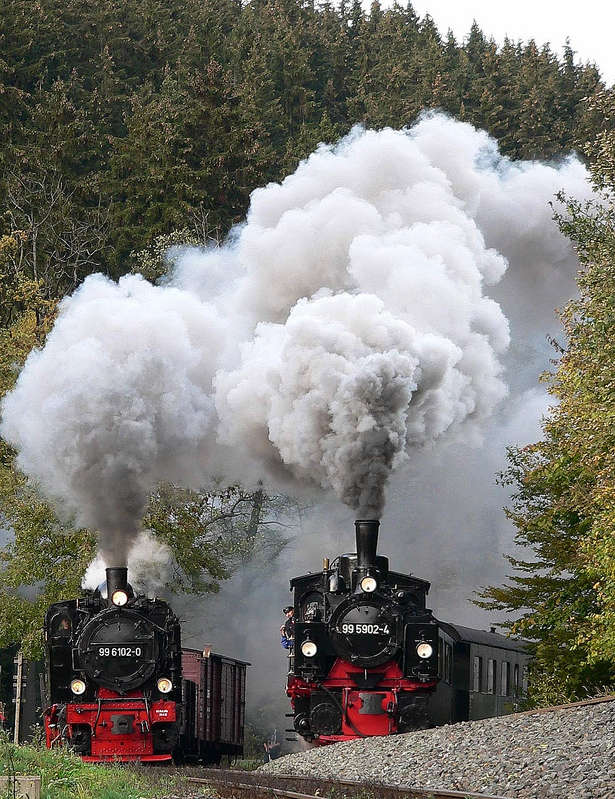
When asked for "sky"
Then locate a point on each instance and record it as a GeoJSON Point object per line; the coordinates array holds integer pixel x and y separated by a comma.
{"type": "Point", "coordinates": [588, 25]}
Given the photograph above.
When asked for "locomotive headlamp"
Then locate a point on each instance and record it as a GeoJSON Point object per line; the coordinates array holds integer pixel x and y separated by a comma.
{"type": "Point", "coordinates": [309, 649]}
{"type": "Point", "coordinates": [164, 685]}
{"type": "Point", "coordinates": [77, 687]}
{"type": "Point", "coordinates": [369, 585]}
{"type": "Point", "coordinates": [424, 650]}
{"type": "Point", "coordinates": [119, 598]}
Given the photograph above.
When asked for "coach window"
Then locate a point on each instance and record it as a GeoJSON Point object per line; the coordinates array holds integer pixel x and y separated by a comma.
{"type": "Point", "coordinates": [478, 675]}
{"type": "Point", "coordinates": [525, 680]}
{"type": "Point", "coordinates": [505, 682]}
{"type": "Point", "coordinates": [516, 680]}
{"type": "Point", "coordinates": [491, 675]}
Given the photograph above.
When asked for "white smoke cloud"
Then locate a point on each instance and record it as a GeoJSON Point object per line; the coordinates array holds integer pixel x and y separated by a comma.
{"type": "Point", "coordinates": [149, 564]}
{"type": "Point", "coordinates": [348, 324]}
{"type": "Point", "coordinates": [118, 400]}
{"type": "Point", "coordinates": [342, 390]}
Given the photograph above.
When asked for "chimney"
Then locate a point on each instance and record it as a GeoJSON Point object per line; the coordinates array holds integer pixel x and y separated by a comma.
{"type": "Point", "coordinates": [117, 580]}
{"type": "Point", "coordinates": [367, 542]}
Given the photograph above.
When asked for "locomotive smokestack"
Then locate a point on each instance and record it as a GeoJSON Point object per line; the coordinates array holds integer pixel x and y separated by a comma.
{"type": "Point", "coordinates": [367, 542]}
{"type": "Point", "coordinates": [117, 581]}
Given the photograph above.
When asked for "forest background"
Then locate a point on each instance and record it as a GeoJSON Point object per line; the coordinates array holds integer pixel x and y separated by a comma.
{"type": "Point", "coordinates": [129, 126]}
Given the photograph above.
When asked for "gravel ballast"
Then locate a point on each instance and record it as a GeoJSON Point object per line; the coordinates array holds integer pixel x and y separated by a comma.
{"type": "Point", "coordinates": [568, 754]}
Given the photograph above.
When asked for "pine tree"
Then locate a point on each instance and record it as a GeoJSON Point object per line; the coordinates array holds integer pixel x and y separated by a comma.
{"type": "Point", "coordinates": [182, 152]}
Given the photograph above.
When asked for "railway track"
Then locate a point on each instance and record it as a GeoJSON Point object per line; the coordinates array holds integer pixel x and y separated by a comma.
{"type": "Point", "coordinates": [255, 785]}
{"type": "Point", "coordinates": [598, 700]}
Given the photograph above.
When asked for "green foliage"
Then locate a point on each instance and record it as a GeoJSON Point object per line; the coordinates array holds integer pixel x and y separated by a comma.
{"type": "Point", "coordinates": [157, 259]}
{"type": "Point", "coordinates": [122, 121]}
{"type": "Point", "coordinates": [42, 552]}
{"type": "Point", "coordinates": [65, 776]}
{"type": "Point", "coordinates": [564, 503]}
{"type": "Point", "coordinates": [213, 532]}
{"type": "Point", "coordinates": [599, 112]}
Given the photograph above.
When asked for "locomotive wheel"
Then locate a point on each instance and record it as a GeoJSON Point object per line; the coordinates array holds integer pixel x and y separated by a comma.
{"type": "Point", "coordinates": [81, 739]}
{"type": "Point", "coordinates": [326, 719]}
{"type": "Point", "coordinates": [165, 738]}
{"type": "Point", "coordinates": [413, 714]}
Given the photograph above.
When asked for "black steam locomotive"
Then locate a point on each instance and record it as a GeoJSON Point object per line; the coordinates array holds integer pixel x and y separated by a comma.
{"type": "Point", "coordinates": [370, 658]}
{"type": "Point", "coordinates": [120, 687]}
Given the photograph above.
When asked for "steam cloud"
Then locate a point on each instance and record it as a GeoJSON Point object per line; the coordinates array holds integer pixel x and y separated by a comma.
{"type": "Point", "coordinates": [149, 563]}
{"type": "Point", "coordinates": [343, 327]}
{"type": "Point", "coordinates": [119, 399]}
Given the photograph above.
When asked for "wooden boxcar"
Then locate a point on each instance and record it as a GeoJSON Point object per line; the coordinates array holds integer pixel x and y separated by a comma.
{"type": "Point", "coordinates": [214, 696]}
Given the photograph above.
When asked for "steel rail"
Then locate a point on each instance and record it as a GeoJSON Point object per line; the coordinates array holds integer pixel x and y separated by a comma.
{"type": "Point", "coordinates": [599, 700]}
{"type": "Point", "coordinates": [249, 790]}
{"type": "Point", "coordinates": [241, 784]}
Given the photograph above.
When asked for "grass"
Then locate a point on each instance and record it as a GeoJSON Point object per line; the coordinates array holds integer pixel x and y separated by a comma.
{"type": "Point", "coordinates": [65, 776]}
{"type": "Point", "coordinates": [247, 764]}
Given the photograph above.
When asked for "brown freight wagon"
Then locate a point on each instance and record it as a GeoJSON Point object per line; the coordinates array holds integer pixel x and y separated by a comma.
{"type": "Point", "coordinates": [214, 698]}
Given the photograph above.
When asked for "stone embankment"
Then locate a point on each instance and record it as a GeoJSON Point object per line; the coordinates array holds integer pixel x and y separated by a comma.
{"type": "Point", "coordinates": [566, 753]}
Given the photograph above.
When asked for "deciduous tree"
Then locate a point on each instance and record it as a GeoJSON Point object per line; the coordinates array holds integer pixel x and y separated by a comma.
{"type": "Point", "coordinates": [563, 592]}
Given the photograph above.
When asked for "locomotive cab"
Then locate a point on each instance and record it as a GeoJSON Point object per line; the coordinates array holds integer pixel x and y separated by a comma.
{"type": "Point", "coordinates": [365, 656]}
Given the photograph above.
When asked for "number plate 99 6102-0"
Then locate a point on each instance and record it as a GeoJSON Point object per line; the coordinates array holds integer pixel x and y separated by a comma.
{"type": "Point", "coordinates": [120, 651]}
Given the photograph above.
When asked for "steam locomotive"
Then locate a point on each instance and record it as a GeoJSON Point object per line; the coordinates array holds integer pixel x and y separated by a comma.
{"type": "Point", "coordinates": [370, 658]}
{"type": "Point", "coordinates": [120, 687]}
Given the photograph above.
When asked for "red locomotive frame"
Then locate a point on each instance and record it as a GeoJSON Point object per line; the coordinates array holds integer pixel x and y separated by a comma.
{"type": "Point", "coordinates": [357, 724]}
{"type": "Point", "coordinates": [209, 721]}
{"type": "Point", "coordinates": [105, 719]}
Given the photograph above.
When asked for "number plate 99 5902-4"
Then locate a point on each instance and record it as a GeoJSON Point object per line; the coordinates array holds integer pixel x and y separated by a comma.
{"type": "Point", "coordinates": [349, 628]}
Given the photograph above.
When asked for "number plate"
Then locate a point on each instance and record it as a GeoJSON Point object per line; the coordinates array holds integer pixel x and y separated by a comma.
{"type": "Point", "coordinates": [120, 651]}
{"type": "Point", "coordinates": [349, 628]}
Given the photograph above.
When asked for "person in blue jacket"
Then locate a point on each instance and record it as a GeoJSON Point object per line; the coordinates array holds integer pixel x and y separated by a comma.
{"type": "Point", "coordinates": [287, 630]}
